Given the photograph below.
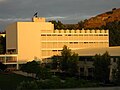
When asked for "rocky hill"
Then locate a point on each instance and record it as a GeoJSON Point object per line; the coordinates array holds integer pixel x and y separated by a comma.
{"type": "Point", "coordinates": [102, 19]}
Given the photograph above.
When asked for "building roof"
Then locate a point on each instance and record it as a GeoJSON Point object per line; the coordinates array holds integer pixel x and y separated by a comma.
{"type": "Point", "coordinates": [113, 51]}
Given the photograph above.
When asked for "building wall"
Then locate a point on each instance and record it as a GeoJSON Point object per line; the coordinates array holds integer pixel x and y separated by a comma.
{"type": "Point", "coordinates": [86, 67]}
{"type": "Point", "coordinates": [29, 46]}
{"type": "Point", "coordinates": [11, 38]}
{"type": "Point", "coordinates": [39, 39]}
{"type": "Point", "coordinates": [52, 43]}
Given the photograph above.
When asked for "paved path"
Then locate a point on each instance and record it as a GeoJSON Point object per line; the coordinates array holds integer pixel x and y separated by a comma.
{"type": "Point", "coordinates": [24, 74]}
{"type": "Point", "coordinates": [98, 88]}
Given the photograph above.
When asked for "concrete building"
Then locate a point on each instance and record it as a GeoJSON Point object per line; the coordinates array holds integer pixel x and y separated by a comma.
{"type": "Point", "coordinates": [37, 40]}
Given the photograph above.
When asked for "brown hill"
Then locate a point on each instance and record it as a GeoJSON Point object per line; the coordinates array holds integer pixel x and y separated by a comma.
{"type": "Point", "coordinates": [102, 19]}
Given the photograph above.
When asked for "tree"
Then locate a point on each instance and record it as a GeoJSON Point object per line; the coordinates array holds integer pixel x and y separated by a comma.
{"type": "Point", "coordinates": [2, 66]}
{"type": "Point", "coordinates": [2, 45]}
{"type": "Point", "coordinates": [73, 64]}
{"type": "Point", "coordinates": [116, 74]}
{"type": "Point", "coordinates": [65, 57]}
{"type": "Point", "coordinates": [101, 67]}
{"type": "Point", "coordinates": [114, 30]}
{"type": "Point", "coordinates": [55, 61]}
{"type": "Point", "coordinates": [58, 24]}
{"type": "Point", "coordinates": [36, 68]}
{"type": "Point", "coordinates": [30, 67]}
{"type": "Point", "coordinates": [80, 25]}
{"type": "Point", "coordinates": [68, 62]}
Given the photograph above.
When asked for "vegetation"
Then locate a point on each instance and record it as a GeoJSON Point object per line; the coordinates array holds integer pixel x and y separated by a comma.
{"type": "Point", "coordinates": [116, 74]}
{"type": "Point", "coordinates": [37, 69]}
{"type": "Point", "coordinates": [11, 81]}
{"type": "Point", "coordinates": [68, 62]}
{"type": "Point", "coordinates": [55, 83]}
{"type": "Point", "coordinates": [65, 64]}
{"type": "Point", "coordinates": [2, 45]}
{"type": "Point", "coordinates": [101, 67]}
{"type": "Point", "coordinates": [114, 30]}
{"type": "Point", "coordinates": [3, 67]}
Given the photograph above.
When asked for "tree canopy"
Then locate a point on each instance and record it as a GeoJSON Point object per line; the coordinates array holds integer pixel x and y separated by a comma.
{"type": "Point", "coordinates": [69, 60]}
{"type": "Point", "coordinates": [101, 67]}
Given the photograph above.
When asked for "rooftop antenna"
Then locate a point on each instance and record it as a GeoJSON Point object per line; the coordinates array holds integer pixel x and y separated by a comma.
{"type": "Point", "coordinates": [36, 14]}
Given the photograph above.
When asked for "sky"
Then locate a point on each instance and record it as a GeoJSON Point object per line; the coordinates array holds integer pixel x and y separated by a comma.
{"type": "Point", "coordinates": [67, 11]}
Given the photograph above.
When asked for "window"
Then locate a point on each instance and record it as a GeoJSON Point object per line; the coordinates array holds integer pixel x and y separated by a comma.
{"type": "Point", "coordinates": [81, 69]}
{"type": "Point", "coordinates": [80, 34]}
{"type": "Point", "coordinates": [95, 34]}
{"type": "Point", "coordinates": [69, 34]}
{"type": "Point", "coordinates": [60, 35]}
{"type": "Point", "coordinates": [85, 34]}
{"type": "Point", "coordinates": [100, 34]}
{"type": "Point", "coordinates": [71, 42]}
{"type": "Point", "coordinates": [48, 34]}
{"type": "Point", "coordinates": [75, 42]}
{"type": "Point", "coordinates": [54, 34]}
{"type": "Point", "coordinates": [76, 35]}
{"type": "Point", "coordinates": [90, 70]}
{"type": "Point", "coordinates": [105, 35]}
{"type": "Point", "coordinates": [43, 34]}
{"type": "Point", "coordinates": [54, 50]}
{"type": "Point", "coordinates": [85, 42]}
{"type": "Point", "coordinates": [114, 60]}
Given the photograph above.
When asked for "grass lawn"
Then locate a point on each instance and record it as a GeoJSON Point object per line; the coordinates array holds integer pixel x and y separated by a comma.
{"type": "Point", "coordinates": [9, 81]}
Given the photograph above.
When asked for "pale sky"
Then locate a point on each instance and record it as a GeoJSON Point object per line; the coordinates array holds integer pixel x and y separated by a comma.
{"type": "Point", "coordinates": [67, 11]}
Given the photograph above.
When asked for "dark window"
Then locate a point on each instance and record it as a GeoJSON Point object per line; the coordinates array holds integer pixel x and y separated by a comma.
{"type": "Point", "coordinates": [43, 34]}
{"type": "Point", "coordinates": [114, 60]}
{"type": "Point", "coordinates": [81, 69]}
{"type": "Point", "coordinates": [90, 70]}
{"type": "Point", "coordinates": [54, 50]}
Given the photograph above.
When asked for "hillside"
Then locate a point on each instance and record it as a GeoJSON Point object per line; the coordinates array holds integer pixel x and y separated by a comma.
{"type": "Point", "coordinates": [102, 19]}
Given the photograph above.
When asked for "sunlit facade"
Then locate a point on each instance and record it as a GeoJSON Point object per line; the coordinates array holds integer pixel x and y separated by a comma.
{"type": "Point", "coordinates": [38, 39]}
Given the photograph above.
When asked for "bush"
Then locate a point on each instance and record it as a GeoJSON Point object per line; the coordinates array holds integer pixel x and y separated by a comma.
{"type": "Point", "coordinates": [32, 85]}
{"type": "Point", "coordinates": [55, 83]}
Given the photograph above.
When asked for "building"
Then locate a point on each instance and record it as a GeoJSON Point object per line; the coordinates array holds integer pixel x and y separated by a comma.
{"type": "Point", "coordinates": [37, 40]}
{"type": "Point", "coordinates": [86, 67]}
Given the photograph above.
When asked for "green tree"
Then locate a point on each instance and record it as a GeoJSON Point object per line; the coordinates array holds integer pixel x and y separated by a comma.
{"type": "Point", "coordinates": [116, 74]}
{"type": "Point", "coordinates": [36, 68]}
{"type": "Point", "coordinates": [68, 62]}
{"type": "Point", "coordinates": [2, 45]}
{"type": "Point", "coordinates": [43, 73]}
{"type": "Point", "coordinates": [101, 67]}
{"type": "Point", "coordinates": [58, 24]}
{"type": "Point", "coordinates": [30, 67]}
{"type": "Point", "coordinates": [29, 85]}
{"type": "Point", "coordinates": [114, 30]}
{"type": "Point", "coordinates": [80, 25]}
{"type": "Point", "coordinates": [3, 67]}
{"type": "Point", "coordinates": [55, 61]}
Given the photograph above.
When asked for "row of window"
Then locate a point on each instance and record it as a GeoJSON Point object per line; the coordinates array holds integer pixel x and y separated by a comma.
{"type": "Point", "coordinates": [74, 35]}
{"type": "Point", "coordinates": [71, 42]}
{"type": "Point", "coordinates": [8, 59]}
{"type": "Point", "coordinates": [86, 42]}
